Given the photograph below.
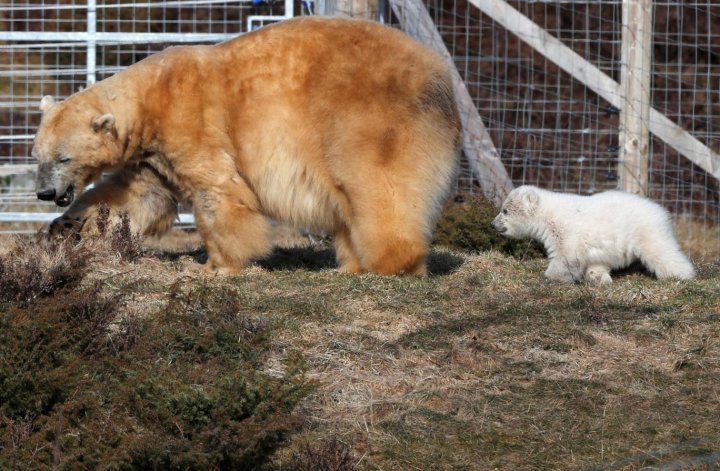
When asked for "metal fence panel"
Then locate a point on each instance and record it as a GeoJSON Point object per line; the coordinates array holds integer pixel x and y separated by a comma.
{"type": "Point", "coordinates": [549, 128]}
{"type": "Point", "coordinates": [55, 49]}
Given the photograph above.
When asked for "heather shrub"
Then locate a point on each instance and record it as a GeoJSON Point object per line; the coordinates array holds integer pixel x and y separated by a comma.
{"type": "Point", "coordinates": [465, 225]}
{"type": "Point", "coordinates": [118, 238]}
{"type": "Point", "coordinates": [323, 455]}
{"type": "Point", "coordinates": [85, 383]}
{"type": "Point", "coordinates": [38, 266]}
{"type": "Point", "coordinates": [123, 242]}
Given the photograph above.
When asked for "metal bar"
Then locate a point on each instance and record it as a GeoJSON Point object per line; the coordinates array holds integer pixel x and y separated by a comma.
{"type": "Point", "coordinates": [180, 3]}
{"type": "Point", "coordinates": [55, 72]}
{"type": "Point", "coordinates": [289, 11]}
{"type": "Point", "coordinates": [18, 137]}
{"type": "Point", "coordinates": [17, 169]}
{"type": "Point", "coordinates": [119, 38]}
{"type": "Point", "coordinates": [91, 59]}
{"type": "Point", "coordinates": [47, 217]}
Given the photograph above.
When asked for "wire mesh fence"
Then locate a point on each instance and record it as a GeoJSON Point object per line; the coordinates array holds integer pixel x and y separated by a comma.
{"type": "Point", "coordinates": [55, 49]}
{"type": "Point", "coordinates": [552, 130]}
{"type": "Point", "coordinates": [549, 127]}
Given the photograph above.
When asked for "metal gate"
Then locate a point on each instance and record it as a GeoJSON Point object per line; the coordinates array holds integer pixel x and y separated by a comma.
{"type": "Point", "coordinates": [56, 49]}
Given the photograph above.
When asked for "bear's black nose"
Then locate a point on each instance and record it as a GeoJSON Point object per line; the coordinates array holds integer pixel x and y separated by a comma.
{"type": "Point", "coordinates": [492, 224]}
{"type": "Point", "coordinates": [46, 195]}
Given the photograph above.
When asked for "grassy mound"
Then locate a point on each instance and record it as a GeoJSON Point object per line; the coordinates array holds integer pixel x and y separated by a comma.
{"type": "Point", "coordinates": [465, 225]}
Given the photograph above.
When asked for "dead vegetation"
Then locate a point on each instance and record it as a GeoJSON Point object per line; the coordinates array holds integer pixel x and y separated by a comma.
{"type": "Point", "coordinates": [292, 365]}
{"type": "Point", "coordinates": [494, 367]}
{"type": "Point", "coordinates": [91, 376]}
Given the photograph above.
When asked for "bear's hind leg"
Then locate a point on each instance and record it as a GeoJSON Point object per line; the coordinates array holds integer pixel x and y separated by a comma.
{"type": "Point", "coordinates": [390, 247]}
{"type": "Point", "coordinates": [661, 254]}
{"type": "Point", "coordinates": [396, 256]}
{"type": "Point", "coordinates": [139, 190]}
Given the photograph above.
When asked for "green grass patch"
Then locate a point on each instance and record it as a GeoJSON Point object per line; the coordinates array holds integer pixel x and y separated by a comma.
{"type": "Point", "coordinates": [87, 383]}
{"type": "Point", "coordinates": [465, 225]}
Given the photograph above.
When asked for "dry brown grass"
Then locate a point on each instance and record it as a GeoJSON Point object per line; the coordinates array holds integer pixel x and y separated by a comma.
{"type": "Point", "coordinates": [482, 365]}
{"type": "Point", "coordinates": [493, 367]}
{"type": "Point", "coordinates": [699, 239]}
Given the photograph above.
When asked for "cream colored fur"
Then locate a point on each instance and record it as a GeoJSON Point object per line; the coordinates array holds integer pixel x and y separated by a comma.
{"type": "Point", "coordinates": [586, 237]}
{"type": "Point", "coordinates": [342, 126]}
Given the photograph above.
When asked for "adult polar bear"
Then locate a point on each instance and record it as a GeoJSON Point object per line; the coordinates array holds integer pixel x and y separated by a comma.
{"type": "Point", "coordinates": [341, 126]}
{"type": "Point", "coordinates": [587, 236]}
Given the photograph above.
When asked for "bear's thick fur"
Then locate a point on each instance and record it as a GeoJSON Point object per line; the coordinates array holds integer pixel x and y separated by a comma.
{"type": "Point", "coordinates": [588, 236]}
{"type": "Point", "coordinates": [341, 126]}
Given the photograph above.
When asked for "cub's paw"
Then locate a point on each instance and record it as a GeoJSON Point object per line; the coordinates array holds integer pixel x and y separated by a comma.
{"type": "Point", "coordinates": [558, 272]}
{"type": "Point", "coordinates": [598, 275]}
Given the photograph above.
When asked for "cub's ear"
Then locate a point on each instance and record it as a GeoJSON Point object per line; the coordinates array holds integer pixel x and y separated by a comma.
{"type": "Point", "coordinates": [46, 103]}
{"type": "Point", "coordinates": [105, 122]}
{"type": "Point", "coordinates": [531, 198]}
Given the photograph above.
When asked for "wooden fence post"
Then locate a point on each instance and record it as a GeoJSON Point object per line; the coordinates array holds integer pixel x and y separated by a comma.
{"type": "Point", "coordinates": [597, 80]}
{"type": "Point", "coordinates": [634, 138]}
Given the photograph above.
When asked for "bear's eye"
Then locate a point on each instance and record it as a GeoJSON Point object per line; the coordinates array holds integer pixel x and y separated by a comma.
{"type": "Point", "coordinates": [504, 211]}
{"type": "Point", "coordinates": [63, 159]}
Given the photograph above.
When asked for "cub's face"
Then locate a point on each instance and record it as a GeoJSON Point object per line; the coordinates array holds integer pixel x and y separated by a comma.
{"type": "Point", "coordinates": [74, 144]}
{"type": "Point", "coordinates": [517, 212]}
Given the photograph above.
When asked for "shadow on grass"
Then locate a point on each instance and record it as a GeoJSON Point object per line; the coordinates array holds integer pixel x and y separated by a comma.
{"type": "Point", "coordinates": [299, 258]}
{"type": "Point", "coordinates": [443, 263]}
{"type": "Point", "coordinates": [315, 259]}
{"type": "Point", "coordinates": [198, 255]}
{"type": "Point", "coordinates": [311, 259]}
{"type": "Point", "coordinates": [686, 455]}
{"type": "Point", "coordinates": [635, 268]}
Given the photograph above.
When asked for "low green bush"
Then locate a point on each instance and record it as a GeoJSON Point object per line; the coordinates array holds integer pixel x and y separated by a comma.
{"type": "Point", "coordinates": [84, 383]}
{"type": "Point", "coordinates": [465, 225]}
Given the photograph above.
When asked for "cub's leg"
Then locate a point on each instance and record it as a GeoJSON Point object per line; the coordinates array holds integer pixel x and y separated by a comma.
{"type": "Point", "coordinates": [151, 204]}
{"type": "Point", "coordinates": [662, 255]}
{"type": "Point", "coordinates": [598, 275]}
{"type": "Point", "coordinates": [565, 268]}
{"type": "Point", "coordinates": [231, 226]}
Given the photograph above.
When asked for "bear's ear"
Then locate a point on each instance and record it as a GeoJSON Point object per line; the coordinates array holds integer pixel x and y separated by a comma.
{"type": "Point", "coordinates": [105, 122]}
{"type": "Point", "coordinates": [46, 103]}
{"type": "Point", "coordinates": [531, 198]}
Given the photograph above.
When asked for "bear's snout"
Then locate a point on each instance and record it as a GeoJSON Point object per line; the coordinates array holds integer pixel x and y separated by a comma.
{"type": "Point", "coordinates": [495, 224]}
{"type": "Point", "coordinates": [46, 195]}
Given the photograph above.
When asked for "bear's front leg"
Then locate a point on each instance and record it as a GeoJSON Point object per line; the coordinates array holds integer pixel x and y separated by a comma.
{"type": "Point", "coordinates": [233, 229]}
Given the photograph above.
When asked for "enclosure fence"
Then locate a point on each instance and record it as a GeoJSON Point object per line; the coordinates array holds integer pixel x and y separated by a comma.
{"type": "Point", "coordinates": [572, 95]}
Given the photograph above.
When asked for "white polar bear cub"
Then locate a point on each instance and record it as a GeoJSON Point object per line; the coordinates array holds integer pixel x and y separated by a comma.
{"type": "Point", "coordinates": [587, 236]}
